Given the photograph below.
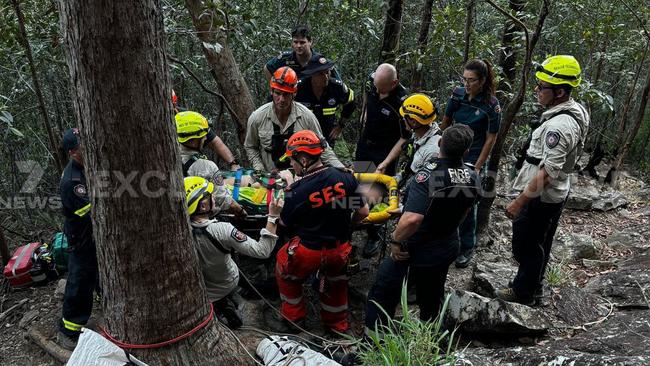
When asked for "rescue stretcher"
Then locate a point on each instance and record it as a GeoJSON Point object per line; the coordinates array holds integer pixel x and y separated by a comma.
{"type": "Point", "coordinates": [252, 189]}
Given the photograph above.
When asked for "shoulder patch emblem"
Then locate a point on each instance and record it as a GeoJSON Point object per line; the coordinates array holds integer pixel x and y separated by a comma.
{"type": "Point", "coordinates": [322, 60]}
{"type": "Point", "coordinates": [497, 108]}
{"type": "Point", "coordinates": [552, 139]}
{"type": "Point", "coordinates": [431, 166]}
{"type": "Point", "coordinates": [80, 190]}
{"type": "Point", "coordinates": [238, 235]}
{"type": "Point", "coordinates": [332, 101]}
{"type": "Point", "coordinates": [422, 176]}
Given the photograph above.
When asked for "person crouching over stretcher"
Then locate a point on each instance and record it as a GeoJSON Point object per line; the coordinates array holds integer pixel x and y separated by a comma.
{"type": "Point", "coordinates": [216, 241]}
{"type": "Point", "coordinates": [320, 209]}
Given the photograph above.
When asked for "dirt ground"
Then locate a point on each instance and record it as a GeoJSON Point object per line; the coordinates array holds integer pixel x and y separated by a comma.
{"type": "Point", "coordinates": [43, 306]}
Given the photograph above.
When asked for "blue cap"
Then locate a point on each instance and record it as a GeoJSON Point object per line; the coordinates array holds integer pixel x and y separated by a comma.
{"type": "Point", "coordinates": [70, 139]}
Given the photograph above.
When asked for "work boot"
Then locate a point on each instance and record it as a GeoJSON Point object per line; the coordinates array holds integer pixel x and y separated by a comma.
{"type": "Point", "coordinates": [371, 248]}
{"type": "Point", "coordinates": [66, 341]}
{"type": "Point", "coordinates": [463, 259]}
{"type": "Point", "coordinates": [277, 323]}
{"type": "Point", "coordinates": [508, 294]}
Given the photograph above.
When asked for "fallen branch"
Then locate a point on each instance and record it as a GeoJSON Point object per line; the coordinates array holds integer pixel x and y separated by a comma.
{"type": "Point", "coordinates": [6, 313]}
{"type": "Point", "coordinates": [60, 354]}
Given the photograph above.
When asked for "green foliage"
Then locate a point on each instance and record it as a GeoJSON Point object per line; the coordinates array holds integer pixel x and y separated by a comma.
{"type": "Point", "coordinates": [557, 274]}
{"type": "Point", "coordinates": [410, 342]}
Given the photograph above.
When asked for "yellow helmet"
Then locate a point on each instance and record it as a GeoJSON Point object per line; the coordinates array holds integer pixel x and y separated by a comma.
{"type": "Point", "coordinates": [196, 188]}
{"type": "Point", "coordinates": [560, 69]}
{"type": "Point", "coordinates": [420, 108]}
{"type": "Point", "coordinates": [191, 125]}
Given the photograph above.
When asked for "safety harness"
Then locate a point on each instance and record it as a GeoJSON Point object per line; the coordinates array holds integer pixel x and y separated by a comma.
{"type": "Point", "coordinates": [203, 232]}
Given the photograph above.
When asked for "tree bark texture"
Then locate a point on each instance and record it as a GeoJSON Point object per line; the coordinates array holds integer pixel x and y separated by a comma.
{"type": "Point", "coordinates": [223, 65]}
{"type": "Point", "coordinates": [469, 24]}
{"type": "Point", "coordinates": [4, 249]}
{"type": "Point", "coordinates": [152, 286]}
{"type": "Point", "coordinates": [423, 39]}
{"type": "Point", "coordinates": [508, 54]}
{"type": "Point", "coordinates": [508, 117]}
{"type": "Point", "coordinates": [392, 30]}
{"type": "Point", "coordinates": [638, 119]}
{"type": "Point", "coordinates": [37, 86]}
{"type": "Point", "coordinates": [620, 131]}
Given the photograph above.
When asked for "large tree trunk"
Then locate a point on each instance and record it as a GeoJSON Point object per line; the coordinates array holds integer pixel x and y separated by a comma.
{"type": "Point", "coordinates": [225, 69]}
{"type": "Point", "coordinates": [392, 30]}
{"type": "Point", "coordinates": [423, 39]}
{"type": "Point", "coordinates": [508, 117]}
{"type": "Point", "coordinates": [508, 53]}
{"type": "Point", "coordinates": [37, 86]}
{"type": "Point", "coordinates": [638, 119]}
{"type": "Point", "coordinates": [152, 285]}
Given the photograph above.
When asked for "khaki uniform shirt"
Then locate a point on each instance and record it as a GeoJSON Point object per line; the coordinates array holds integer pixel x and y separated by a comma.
{"type": "Point", "coordinates": [558, 142]}
{"type": "Point", "coordinates": [207, 169]}
{"type": "Point", "coordinates": [220, 272]}
{"type": "Point", "coordinates": [260, 130]}
{"type": "Point", "coordinates": [426, 148]}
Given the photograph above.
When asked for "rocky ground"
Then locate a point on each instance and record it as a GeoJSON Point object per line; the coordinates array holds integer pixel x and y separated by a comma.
{"type": "Point", "coordinates": [596, 310]}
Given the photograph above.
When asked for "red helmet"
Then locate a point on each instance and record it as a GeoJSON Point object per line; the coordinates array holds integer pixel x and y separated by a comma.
{"type": "Point", "coordinates": [305, 141]}
{"type": "Point", "coordinates": [174, 98]}
{"type": "Point", "coordinates": [284, 79]}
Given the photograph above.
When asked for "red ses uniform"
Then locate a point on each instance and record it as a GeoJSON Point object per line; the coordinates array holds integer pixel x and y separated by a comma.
{"type": "Point", "coordinates": [319, 210]}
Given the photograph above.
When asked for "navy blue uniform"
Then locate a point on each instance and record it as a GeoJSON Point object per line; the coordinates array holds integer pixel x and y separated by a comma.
{"type": "Point", "coordinates": [82, 262]}
{"type": "Point", "coordinates": [383, 125]}
{"type": "Point", "coordinates": [443, 191]}
{"type": "Point", "coordinates": [288, 58]}
{"type": "Point", "coordinates": [335, 95]}
{"type": "Point", "coordinates": [317, 207]}
{"type": "Point", "coordinates": [481, 115]}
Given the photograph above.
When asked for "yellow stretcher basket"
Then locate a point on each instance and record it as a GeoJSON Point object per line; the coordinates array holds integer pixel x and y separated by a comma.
{"type": "Point", "coordinates": [376, 216]}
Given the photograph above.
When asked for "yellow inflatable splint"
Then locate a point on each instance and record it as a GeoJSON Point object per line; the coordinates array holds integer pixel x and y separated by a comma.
{"type": "Point", "coordinates": [378, 217]}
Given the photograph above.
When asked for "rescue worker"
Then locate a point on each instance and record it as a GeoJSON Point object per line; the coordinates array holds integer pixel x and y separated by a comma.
{"type": "Point", "coordinates": [300, 58]}
{"type": "Point", "coordinates": [272, 124]}
{"type": "Point", "coordinates": [192, 131]}
{"type": "Point", "coordinates": [83, 277]}
{"type": "Point", "coordinates": [544, 178]}
{"type": "Point", "coordinates": [474, 104]}
{"type": "Point", "coordinates": [212, 141]}
{"type": "Point", "coordinates": [419, 114]}
{"type": "Point", "coordinates": [319, 209]}
{"type": "Point", "coordinates": [383, 134]}
{"type": "Point", "coordinates": [216, 241]}
{"type": "Point", "coordinates": [324, 96]}
{"type": "Point", "coordinates": [425, 241]}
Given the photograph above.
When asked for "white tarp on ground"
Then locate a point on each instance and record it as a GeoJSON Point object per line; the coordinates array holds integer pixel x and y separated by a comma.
{"type": "Point", "coordinates": [281, 351]}
{"type": "Point", "coordinates": [95, 350]}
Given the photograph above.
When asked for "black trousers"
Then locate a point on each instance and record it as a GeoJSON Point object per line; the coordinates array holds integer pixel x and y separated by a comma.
{"type": "Point", "coordinates": [532, 238]}
{"type": "Point", "coordinates": [386, 291]}
{"type": "Point", "coordinates": [83, 279]}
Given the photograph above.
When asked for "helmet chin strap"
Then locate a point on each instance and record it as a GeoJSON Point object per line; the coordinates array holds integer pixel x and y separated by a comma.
{"type": "Point", "coordinates": [305, 167]}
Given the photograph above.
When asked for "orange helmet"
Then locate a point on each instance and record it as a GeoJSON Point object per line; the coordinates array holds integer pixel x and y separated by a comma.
{"type": "Point", "coordinates": [284, 79]}
{"type": "Point", "coordinates": [305, 141]}
{"type": "Point", "coordinates": [174, 98]}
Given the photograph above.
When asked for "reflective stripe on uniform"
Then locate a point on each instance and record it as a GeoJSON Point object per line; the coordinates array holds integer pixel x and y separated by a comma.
{"type": "Point", "coordinates": [292, 301]}
{"type": "Point", "coordinates": [329, 111]}
{"type": "Point", "coordinates": [334, 309]}
{"type": "Point", "coordinates": [337, 278]}
{"type": "Point", "coordinates": [83, 211]}
{"type": "Point", "coordinates": [351, 97]}
{"type": "Point", "coordinates": [72, 326]}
